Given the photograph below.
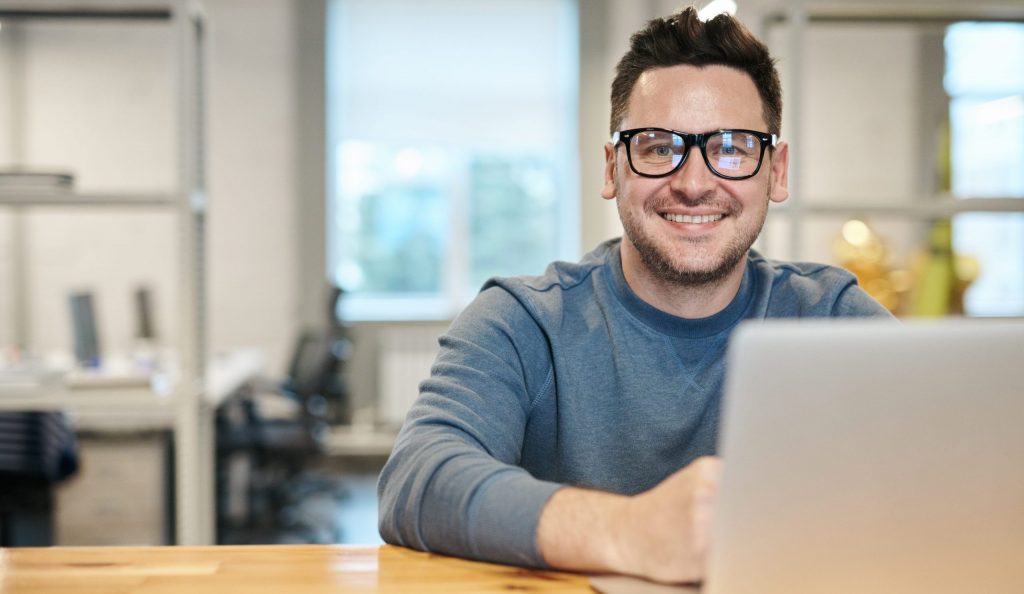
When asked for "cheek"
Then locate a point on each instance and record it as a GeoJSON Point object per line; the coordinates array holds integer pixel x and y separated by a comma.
{"type": "Point", "coordinates": [641, 190]}
{"type": "Point", "coordinates": [756, 195]}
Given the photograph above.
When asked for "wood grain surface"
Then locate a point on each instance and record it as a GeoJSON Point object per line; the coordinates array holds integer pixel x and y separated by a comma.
{"type": "Point", "coordinates": [261, 569]}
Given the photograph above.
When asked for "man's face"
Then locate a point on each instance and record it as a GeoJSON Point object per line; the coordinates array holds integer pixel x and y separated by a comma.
{"type": "Point", "coordinates": [695, 100]}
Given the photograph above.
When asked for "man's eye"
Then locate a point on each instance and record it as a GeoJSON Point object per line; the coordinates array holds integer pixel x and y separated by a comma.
{"type": "Point", "coordinates": [728, 149]}
{"type": "Point", "coordinates": [662, 151]}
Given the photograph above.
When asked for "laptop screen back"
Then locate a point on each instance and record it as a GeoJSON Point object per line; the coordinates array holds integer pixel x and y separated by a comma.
{"type": "Point", "coordinates": [869, 456]}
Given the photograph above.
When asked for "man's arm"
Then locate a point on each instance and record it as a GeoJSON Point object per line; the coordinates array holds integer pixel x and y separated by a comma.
{"type": "Point", "coordinates": [453, 483]}
{"type": "Point", "coordinates": [662, 534]}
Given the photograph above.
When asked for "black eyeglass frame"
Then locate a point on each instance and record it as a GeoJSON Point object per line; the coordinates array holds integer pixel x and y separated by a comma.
{"type": "Point", "coordinates": [689, 141]}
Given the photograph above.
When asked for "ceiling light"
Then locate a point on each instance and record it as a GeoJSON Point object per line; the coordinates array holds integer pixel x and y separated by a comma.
{"type": "Point", "coordinates": [715, 8]}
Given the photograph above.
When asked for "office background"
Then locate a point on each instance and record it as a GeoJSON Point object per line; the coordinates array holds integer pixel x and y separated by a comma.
{"type": "Point", "coordinates": [867, 115]}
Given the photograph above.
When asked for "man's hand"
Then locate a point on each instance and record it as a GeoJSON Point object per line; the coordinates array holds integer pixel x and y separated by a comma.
{"type": "Point", "coordinates": [665, 533]}
{"type": "Point", "coordinates": [662, 534]}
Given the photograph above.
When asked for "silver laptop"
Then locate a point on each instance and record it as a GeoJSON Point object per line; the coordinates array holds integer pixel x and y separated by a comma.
{"type": "Point", "coordinates": [869, 457]}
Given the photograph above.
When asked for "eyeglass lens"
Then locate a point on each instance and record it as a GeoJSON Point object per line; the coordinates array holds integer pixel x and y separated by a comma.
{"type": "Point", "coordinates": [729, 153]}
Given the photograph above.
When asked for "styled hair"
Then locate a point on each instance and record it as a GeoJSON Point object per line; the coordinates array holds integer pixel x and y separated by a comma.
{"type": "Point", "coordinates": [684, 39]}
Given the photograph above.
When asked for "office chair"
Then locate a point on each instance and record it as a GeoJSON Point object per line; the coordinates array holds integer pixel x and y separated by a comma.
{"type": "Point", "coordinates": [37, 450]}
{"type": "Point", "coordinates": [269, 434]}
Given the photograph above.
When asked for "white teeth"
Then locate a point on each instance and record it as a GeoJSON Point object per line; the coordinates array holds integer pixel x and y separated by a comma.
{"type": "Point", "coordinates": [678, 218]}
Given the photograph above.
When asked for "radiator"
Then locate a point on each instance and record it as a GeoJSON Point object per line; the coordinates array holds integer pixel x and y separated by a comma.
{"type": "Point", "coordinates": [404, 359]}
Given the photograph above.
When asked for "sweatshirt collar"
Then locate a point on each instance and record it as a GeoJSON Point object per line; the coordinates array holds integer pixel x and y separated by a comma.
{"type": "Point", "coordinates": [673, 325]}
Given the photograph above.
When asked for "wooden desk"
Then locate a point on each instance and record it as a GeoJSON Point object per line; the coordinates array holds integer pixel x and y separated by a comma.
{"type": "Point", "coordinates": [300, 569]}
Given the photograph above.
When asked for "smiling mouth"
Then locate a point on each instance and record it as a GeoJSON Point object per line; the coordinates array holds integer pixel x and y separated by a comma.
{"type": "Point", "coordinates": [681, 218]}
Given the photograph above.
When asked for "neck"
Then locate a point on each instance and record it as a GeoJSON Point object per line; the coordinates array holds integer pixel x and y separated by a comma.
{"type": "Point", "coordinates": [681, 300]}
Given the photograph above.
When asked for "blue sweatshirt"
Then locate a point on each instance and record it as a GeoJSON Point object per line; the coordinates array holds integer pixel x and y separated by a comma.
{"type": "Point", "coordinates": [569, 378]}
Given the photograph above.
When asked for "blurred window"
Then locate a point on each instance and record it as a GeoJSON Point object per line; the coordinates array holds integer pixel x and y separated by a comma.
{"type": "Point", "coordinates": [452, 131]}
{"type": "Point", "coordinates": [985, 81]}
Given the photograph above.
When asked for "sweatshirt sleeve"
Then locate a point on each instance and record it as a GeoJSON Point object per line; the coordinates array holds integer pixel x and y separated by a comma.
{"type": "Point", "coordinates": [452, 483]}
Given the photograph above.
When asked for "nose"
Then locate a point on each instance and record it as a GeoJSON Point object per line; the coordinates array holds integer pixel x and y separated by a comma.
{"type": "Point", "coordinates": [693, 179]}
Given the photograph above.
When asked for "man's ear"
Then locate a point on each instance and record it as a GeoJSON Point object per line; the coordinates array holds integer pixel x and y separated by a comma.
{"type": "Point", "coordinates": [608, 190]}
{"type": "Point", "coordinates": [778, 189]}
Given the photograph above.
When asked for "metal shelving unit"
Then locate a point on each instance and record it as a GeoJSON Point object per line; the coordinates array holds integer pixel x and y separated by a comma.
{"type": "Point", "coordinates": [62, 398]}
{"type": "Point", "coordinates": [798, 16]}
{"type": "Point", "coordinates": [933, 207]}
{"type": "Point", "coordinates": [77, 199]}
{"type": "Point", "coordinates": [188, 406]}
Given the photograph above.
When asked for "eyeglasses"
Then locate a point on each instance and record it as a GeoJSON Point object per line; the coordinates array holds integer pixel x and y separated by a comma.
{"type": "Point", "coordinates": [729, 154]}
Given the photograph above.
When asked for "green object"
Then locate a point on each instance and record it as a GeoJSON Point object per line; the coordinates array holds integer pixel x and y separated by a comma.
{"type": "Point", "coordinates": [931, 297]}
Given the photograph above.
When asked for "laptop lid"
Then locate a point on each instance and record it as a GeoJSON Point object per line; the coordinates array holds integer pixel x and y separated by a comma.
{"type": "Point", "coordinates": [870, 456]}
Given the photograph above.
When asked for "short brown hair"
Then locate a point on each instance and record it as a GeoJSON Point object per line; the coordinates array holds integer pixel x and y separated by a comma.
{"type": "Point", "coordinates": [684, 39]}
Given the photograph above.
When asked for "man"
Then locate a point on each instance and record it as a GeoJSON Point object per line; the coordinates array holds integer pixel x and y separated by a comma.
{"type": "Point", "coordinates": [571, 419]}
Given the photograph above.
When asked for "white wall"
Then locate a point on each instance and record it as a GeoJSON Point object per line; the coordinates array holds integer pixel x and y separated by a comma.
{"type": "Point", "coordinates": [859, 136]}
{"type": "Point", "coordinates": [253, 181]}
{"type": "Point", "coordinates": [99, 98]}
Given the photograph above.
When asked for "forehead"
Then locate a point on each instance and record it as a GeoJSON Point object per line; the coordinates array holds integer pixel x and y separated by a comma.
{"type": "Point", "coordinates": [695, 99]}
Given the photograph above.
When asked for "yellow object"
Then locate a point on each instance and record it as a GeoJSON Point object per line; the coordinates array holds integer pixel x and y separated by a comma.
{"type": "Point", "coordinates": [863, 252]}
{"type": "Point", "coordinates": [934, 283]}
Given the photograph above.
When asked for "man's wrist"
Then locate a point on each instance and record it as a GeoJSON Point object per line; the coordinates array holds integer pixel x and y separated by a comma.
{"type": "Point", "coordinates": [621, 530]}
{"type": "Point", "coordinates": [584, 530]}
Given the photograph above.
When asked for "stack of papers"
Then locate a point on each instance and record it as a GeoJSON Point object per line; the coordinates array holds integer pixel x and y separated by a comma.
{"type": "Point", "coordinates": [28, 378]}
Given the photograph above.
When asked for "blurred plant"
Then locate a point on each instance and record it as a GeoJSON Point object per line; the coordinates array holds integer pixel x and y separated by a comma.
{"type": "Point", "coordinates": [933, 283]}
{"type": "Point", "coordinates": [864, 253]}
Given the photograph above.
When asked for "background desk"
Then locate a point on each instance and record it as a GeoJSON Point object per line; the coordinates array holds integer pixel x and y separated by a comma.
{"type": "Point", "coordinates": [265, 569]}
{"type": "Point", "coordinates": [191, 421]}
